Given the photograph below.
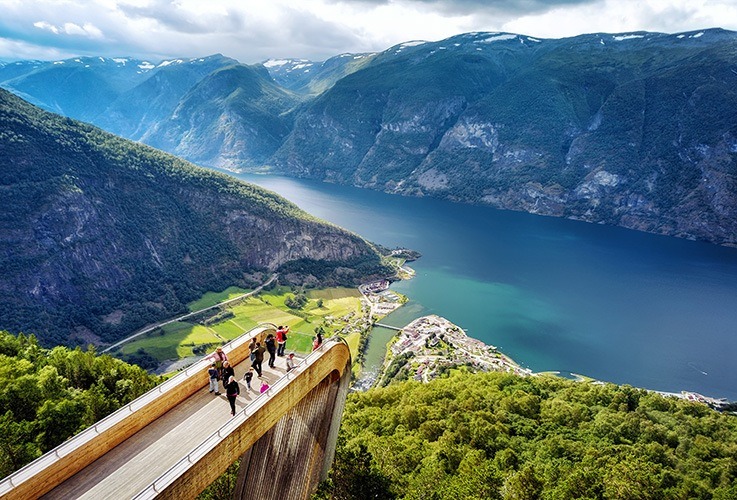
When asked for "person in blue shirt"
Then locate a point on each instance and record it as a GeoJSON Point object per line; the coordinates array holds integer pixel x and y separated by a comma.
{"type": "Point", "coordinates": [213, 373]}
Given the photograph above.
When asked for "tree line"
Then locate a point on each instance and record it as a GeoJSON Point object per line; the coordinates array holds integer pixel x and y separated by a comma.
{"type": "Point", "coordinates": [500, 436]}
{"type": "Point", "coordinates": [48, 395]}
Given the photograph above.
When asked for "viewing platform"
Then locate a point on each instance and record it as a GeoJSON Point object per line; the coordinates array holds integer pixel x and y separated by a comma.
{"type": "Point", "coordinates": [176, 439]}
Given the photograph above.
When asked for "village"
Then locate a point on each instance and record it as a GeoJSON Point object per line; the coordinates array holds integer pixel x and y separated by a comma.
{"type": "Point", "coordinates": [430, 345]}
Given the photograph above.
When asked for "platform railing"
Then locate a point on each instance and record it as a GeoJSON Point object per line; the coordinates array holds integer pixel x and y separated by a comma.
{"type": "Point", "coordinates": [206, 446]}
{"type": "Point", "coordinates": [77, 441]}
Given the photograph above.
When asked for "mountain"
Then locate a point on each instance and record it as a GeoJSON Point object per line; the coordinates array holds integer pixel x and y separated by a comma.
{"type": "Point", "coordinates": [235, 116]}
{"type": "Point", "coordinates": [137, 110]}
{"type": "Point", "coordinates": [307, 77]}
{"type": "Point", "coordinates": [79, 88]}
{"type": "Point", "coordinates": [637, 129]}
{"type": "Point", "coordinates": [99, 235]}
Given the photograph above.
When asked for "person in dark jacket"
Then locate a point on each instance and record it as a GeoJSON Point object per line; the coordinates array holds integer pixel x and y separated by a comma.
{"type": "Point", "coordinates": [258, 358]}
{"type": "Point", "coordinates": [227, 371]}
{"type": "Point", "coordinates": [271, 347]}
{"type": "Point", "coordinates": [213, 375]}
{"type": "Point", "coordinates": [232, 389]}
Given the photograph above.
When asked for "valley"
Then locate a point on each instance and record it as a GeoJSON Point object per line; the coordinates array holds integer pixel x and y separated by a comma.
{"type": "Point", "coordinates": [573, 201]}
{"type": "Point", "coordinates": [631, 130]}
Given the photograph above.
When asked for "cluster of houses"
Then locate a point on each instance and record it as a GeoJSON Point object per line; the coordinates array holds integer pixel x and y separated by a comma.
{"type": "Point", "coordinates": [435, 343]}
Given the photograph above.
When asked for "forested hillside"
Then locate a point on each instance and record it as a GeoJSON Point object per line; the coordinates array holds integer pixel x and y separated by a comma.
{"type": "Point", "coordinates": [499, 436]}
{"type": "Point", "coordinates": [48, 395]}
{"type": "Point", "coordinates": [99, 235]}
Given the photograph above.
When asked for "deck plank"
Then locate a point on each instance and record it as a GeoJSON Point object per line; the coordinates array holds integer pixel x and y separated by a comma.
{"type": "Point", "coordinates": [143, 457]}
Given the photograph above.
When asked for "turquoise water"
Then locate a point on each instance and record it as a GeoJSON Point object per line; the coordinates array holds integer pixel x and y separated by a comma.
{"type": "Point", "coordinates": [554, 294]}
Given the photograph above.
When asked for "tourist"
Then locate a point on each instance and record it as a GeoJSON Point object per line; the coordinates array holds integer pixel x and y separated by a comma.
{"type": "Point", "coordinates": [271, 347]}
{"type": "Point", "coordinates": [218, 357]}
{"type": "Point", "coordinates": [264, 387]}
{"type": "Point", "coordinates": [317, 341]}
{"type": "Point", "coordinates": [252, 348]}
{"type": "Point", "coordinates": [227, 371]}
{"type": "Point", "coordinates": [290, 362]}
{"type": "Point", "coordinates": [281, 339]}
{"type": "Point", "coordinates": [247, 377]}
{"type": "Point", "coordinates": [214, 377]}
{"type": "Point", "coordinates": [232, 389]}
{"type": "Point", "coordinates": [258, 358]}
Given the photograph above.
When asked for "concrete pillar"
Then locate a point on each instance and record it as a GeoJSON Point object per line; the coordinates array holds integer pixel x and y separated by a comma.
{"type": "Point", "coordinates": [289, 461]}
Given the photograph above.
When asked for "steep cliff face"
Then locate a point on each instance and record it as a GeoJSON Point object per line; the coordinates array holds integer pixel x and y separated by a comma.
{"type": "Point", "coordinates": [636, 130]}
{"type": "Point", "coordinates": [99, 235]}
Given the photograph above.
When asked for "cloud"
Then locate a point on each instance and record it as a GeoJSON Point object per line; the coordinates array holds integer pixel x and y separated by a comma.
{"type": "Point", "coordinates": [620, 16]}
{"type": "Point", "coordinates": [470, 7]}
{"type": "Point", "coordinates": [255, 30]}
{"type": "Point", "coordinates": [88, 30]}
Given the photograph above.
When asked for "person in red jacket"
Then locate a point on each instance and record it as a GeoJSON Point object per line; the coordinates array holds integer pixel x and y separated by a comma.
{"type": "Point", "coordinates": [281, 339]}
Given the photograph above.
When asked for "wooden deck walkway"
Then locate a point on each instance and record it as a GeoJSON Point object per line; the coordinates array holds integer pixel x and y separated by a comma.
{"type": "Point", "coordinates": [132, 465]}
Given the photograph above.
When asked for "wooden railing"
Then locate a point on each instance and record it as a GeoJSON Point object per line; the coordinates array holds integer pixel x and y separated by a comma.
{"type": "Point", "coordinates": [193, 472]}
{"type": "Point", "coordinates": [59, 464]}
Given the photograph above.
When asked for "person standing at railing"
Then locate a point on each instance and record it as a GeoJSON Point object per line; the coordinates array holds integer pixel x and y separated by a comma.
{"type": "Point", "coordinates": [232, 389]}
{"type": "Point", "coordinates": [252, 348]}
{"type": "Point", "coordinates": [218, 357]}
{"type": "Point", "coordinates": [317, 341]}
{"type": "Point", "coordinates": [290, 362]}
{"type": "Point", "coordinates": [281, 339]}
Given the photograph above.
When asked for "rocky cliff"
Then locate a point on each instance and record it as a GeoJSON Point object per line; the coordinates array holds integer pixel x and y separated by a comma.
{"type": "Point", "coordinates": [637, 130]}
{"type": "Point", "coordinates": [99, 235]}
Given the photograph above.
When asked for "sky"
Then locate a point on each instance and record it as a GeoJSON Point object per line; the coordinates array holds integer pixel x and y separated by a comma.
{"type": "Point", "coordinates": [255, 30]}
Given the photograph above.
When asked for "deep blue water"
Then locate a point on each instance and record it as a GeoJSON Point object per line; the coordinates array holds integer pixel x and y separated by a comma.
{"type": "Point", "coordinates": [555, 294]}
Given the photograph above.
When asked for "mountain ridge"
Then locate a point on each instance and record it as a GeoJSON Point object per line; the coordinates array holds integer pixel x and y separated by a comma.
{"type": "Point", "coordinates": [631, 129]}
{"type": "Point", "coordinates": [100, 236]}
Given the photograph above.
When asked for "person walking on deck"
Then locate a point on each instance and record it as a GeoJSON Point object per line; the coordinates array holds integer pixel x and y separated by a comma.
{"type": "Point", "coordinates": [213, 373]}
{"type": "Point", "coordinates": [232, 389]}
{"type": "Point", "coordinates": [258, 358]}
{"type": "Point", "coordinates": [247, 377]}
{"type": "Point", "coordinates": [271, 347]}
{"type": "Point", "coordinates": [227, 371]}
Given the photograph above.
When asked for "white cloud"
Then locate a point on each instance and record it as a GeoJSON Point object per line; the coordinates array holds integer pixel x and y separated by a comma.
{"type": "Point", "coordinates": [88, 30]}
{"type": "Point", "coordinates": [256, 30]}
{"type": "Point", "coordinates": [621, 16]}
{"type": "Point", "coordinates": [46, 26]}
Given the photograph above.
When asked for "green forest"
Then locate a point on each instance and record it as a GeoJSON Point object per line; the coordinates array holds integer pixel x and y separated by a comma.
{"type": "Point", "coordinates": [470, 436]}
{"type": "Point", "coordinates": [500, 436]}
{"type": "Point", "coordinates": [48, 395]}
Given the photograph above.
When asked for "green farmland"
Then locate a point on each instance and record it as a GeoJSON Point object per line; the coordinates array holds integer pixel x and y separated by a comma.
{"type": "Point", "coordinates": [335, 310]}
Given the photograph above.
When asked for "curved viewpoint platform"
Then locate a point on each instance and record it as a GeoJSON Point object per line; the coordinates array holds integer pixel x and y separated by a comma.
{"type": "Point", "coordinates": [173, 441]}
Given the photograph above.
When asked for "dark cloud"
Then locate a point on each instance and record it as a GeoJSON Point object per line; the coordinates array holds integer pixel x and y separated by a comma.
{"type": "Point", "coordinates": [166, 14]}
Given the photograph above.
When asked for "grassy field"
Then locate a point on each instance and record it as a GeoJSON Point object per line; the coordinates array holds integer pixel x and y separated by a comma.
{"type": "Point", "coordinates": [333, 309]}
{"type": "Point", "coordinates": [212, 298]}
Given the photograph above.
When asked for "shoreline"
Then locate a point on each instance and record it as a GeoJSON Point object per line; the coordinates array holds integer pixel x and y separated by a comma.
{"type": "Point", "coordinates": [427, 346]}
